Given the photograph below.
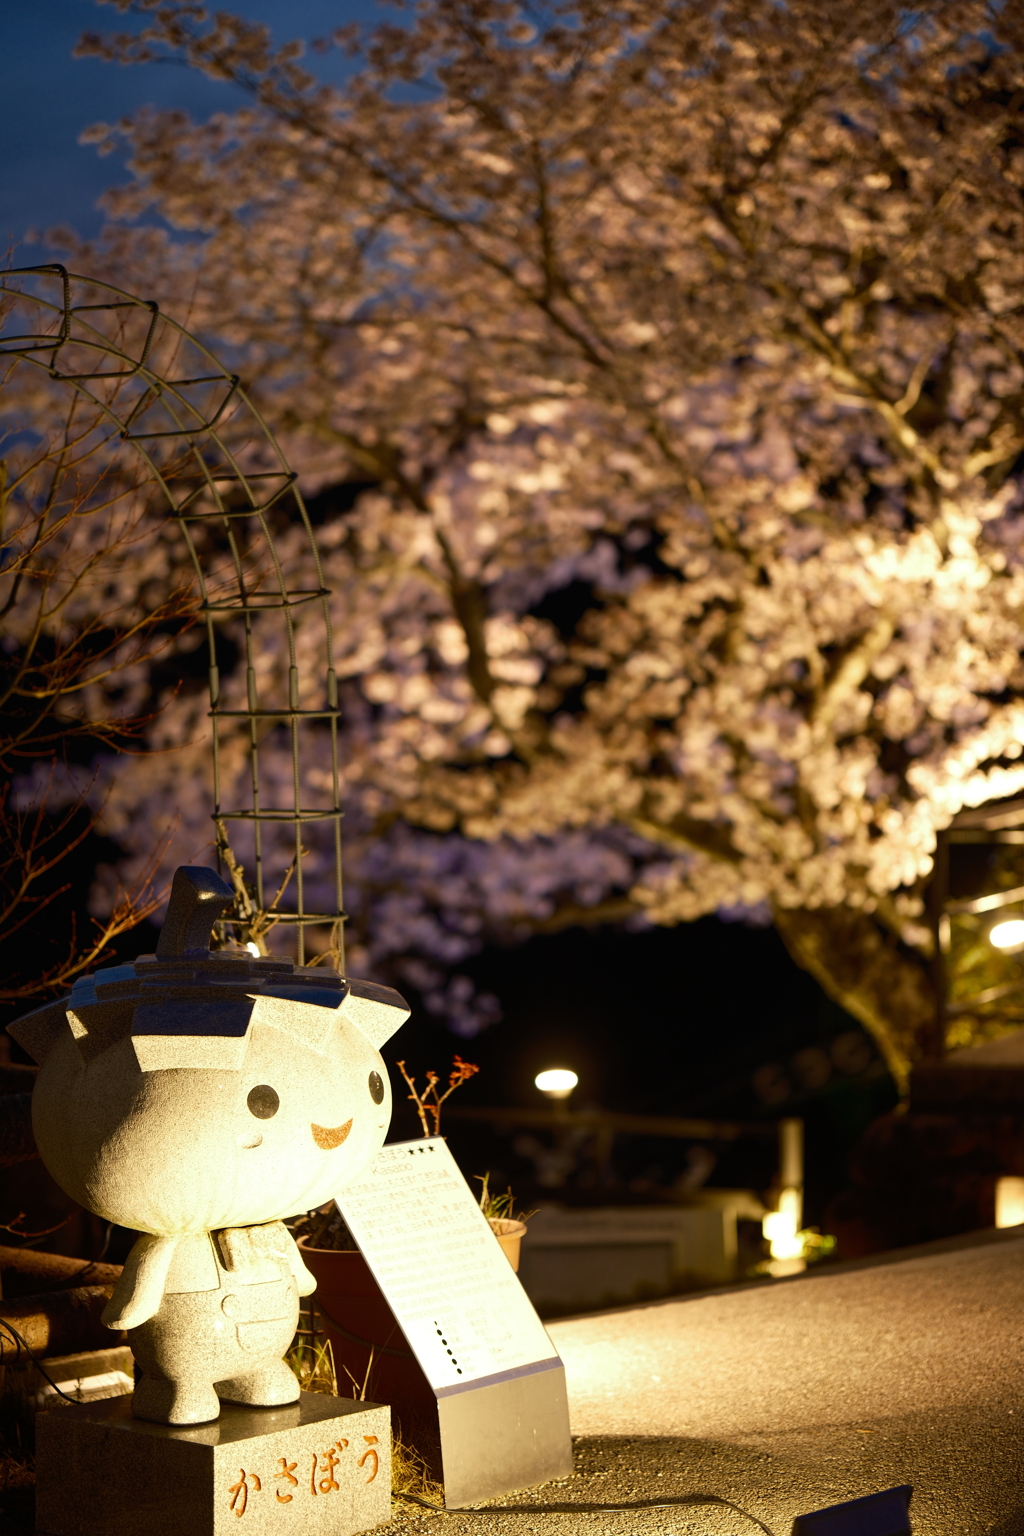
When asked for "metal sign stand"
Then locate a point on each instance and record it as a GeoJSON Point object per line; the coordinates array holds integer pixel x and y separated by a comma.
{"type": "Point", "coordinates": [499, 1386]}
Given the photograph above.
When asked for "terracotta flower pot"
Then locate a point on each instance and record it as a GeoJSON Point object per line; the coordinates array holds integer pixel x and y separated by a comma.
{"type": "Point", "coordinates": [364, 1332]}
{"type": "Point", "coordinates": [510, 1235]}
{"type": "Point", "coordinates": [365, 1338]}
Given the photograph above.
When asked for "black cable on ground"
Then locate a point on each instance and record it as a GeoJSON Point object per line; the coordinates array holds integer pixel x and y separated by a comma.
{"type": "Point", "coordinates": [21, 1344]}
{"type": "Point", "coordinates": [592, 1509]}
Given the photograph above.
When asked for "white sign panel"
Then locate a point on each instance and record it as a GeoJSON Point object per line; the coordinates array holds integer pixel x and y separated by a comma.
{"type": "Point", "coordinates": [433, 1254]}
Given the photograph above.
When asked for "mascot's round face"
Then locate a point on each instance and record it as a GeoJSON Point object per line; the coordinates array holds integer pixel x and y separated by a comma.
{"type": "Point", "coordinates": [181, 1149]}
{"type": "Point", "coordinates": [166, 1108]}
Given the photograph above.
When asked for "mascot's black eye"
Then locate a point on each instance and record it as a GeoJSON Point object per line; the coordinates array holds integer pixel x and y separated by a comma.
{"type": "Point", "coordinates": [376, 1088]}
{"type": "Point", "coordinates": [263, 1102]}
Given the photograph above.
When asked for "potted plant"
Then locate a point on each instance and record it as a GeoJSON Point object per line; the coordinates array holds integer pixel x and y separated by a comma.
{"type": "Point", "coordinates": [368, 1346]}
{"type": "Point", "coordinates": [507, 1227]}
{"type": "Point", "coordinates": [369, 1352]}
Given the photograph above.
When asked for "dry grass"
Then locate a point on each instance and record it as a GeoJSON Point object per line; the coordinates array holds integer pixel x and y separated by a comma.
{"type": "Point", "coordinates": [411, 1474]}
{"type": "Point", "coordinates": [313, 1365]}
{"type": "Point", "coordinates": [410, 1470]}
{"type": "Point", "coordinates": [17, 1444]}
{"type": "Point", "coordinates": [17, 1496]}
{"type": "Point", "coordinates": [16, 1473]}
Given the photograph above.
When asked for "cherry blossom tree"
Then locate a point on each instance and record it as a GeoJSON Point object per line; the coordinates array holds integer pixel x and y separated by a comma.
{"type": "Point", "coordinates": [660, 371]}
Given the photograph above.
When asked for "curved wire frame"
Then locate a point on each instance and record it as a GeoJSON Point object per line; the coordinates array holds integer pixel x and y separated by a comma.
{"type": "Point", "coordinates": [221, 475]}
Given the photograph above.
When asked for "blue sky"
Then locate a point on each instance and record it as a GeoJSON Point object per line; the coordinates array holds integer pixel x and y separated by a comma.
{"type": "Point", "coordinates": [47, 97]}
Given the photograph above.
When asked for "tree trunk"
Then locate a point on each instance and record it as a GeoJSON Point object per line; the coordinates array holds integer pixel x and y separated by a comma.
{"type": "Point", "coordinates": [61, 1323]}
{"type": "Point", "coordinates": [26, 1271]}
{"type": "Point", "coordinates": [868, 972]}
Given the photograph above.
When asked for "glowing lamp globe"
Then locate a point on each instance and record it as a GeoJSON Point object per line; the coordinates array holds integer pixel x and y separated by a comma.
{"type": "Point", "coordinates": [556, 1082]}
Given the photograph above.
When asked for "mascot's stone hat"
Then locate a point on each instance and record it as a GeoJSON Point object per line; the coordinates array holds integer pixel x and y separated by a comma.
{"type": "Point", "coordinates": [188, 1007]}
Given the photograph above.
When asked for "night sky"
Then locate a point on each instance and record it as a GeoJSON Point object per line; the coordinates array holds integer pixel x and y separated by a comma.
{"type": "Point", "coordinates": [47, 98]}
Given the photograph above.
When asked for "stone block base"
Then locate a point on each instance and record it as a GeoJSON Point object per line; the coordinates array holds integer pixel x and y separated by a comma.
{"type": "Point", "coordinates": [318, 1467]}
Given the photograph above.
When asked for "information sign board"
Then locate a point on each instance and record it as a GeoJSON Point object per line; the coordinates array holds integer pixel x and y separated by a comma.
{"type": "Point", "coordinates": [455, 1295]}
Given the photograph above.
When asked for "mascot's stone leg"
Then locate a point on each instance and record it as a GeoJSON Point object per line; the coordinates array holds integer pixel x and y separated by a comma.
{"type": "Point", "coordinates": [255, 1372]}
{"type": "Point", "coordinates": [187, 1346]}
{"type": "Point", "coordinates": [185, 1401]}
{"type": "Point", "coordinates": [268, 1387]}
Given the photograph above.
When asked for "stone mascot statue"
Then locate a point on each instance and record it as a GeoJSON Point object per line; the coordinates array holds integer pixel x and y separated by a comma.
{"type": "Point", "coordinates": [199, 1098]}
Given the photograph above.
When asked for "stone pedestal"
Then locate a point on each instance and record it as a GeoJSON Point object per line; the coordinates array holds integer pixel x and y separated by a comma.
{"type": "Point", "coordinates": [318, 1467]}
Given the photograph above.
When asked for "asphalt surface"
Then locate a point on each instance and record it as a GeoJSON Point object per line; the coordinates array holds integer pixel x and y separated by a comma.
{"type": "Point", "coordinates": [788, 1397]}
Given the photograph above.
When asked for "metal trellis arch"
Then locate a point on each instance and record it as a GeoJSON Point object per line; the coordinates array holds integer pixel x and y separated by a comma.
{"type": "Point", "coordinates": [220, 474]}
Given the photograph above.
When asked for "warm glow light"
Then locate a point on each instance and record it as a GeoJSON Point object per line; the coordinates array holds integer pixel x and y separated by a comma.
{"type": "Point", "coordinates": [253, 949]}
{"type": "Point", "coordinates": [556, 1082]}
{"type": "Point", "coordinates": [782, 1227]}
{"type": "Point", "coordinates": [1008, 934]}
{"type": "Point", "coordinates": [1009, 1202]}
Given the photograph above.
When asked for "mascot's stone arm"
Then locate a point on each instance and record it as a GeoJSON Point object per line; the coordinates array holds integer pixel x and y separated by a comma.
{"type": "Point", "coordinates": [200, 1098]}
{"type": "Point", "coordinates": [140, 1290]}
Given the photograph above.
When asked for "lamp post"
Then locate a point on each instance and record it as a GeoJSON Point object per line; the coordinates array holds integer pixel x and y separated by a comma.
{"type": "Point", "coordinates": [782, 1227]}
{"type": "Point", "coordinates": [557, 1084]}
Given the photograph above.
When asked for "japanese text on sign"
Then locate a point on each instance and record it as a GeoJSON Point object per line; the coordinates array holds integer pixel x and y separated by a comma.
{"type": "Point", "coordinates": [432, 1253]}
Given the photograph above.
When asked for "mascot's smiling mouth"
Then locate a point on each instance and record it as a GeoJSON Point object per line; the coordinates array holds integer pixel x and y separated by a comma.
{"type": "Point", "coordinates": [328, 1139]}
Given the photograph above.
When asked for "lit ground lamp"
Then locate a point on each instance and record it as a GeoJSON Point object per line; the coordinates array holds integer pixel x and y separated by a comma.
{"type": "Point", "coordinates": [782, 1227]}
{"type": "Point", "coordinates": [1009, 1201]}
{"type": "Point", "coordinates": [556, 1083]}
